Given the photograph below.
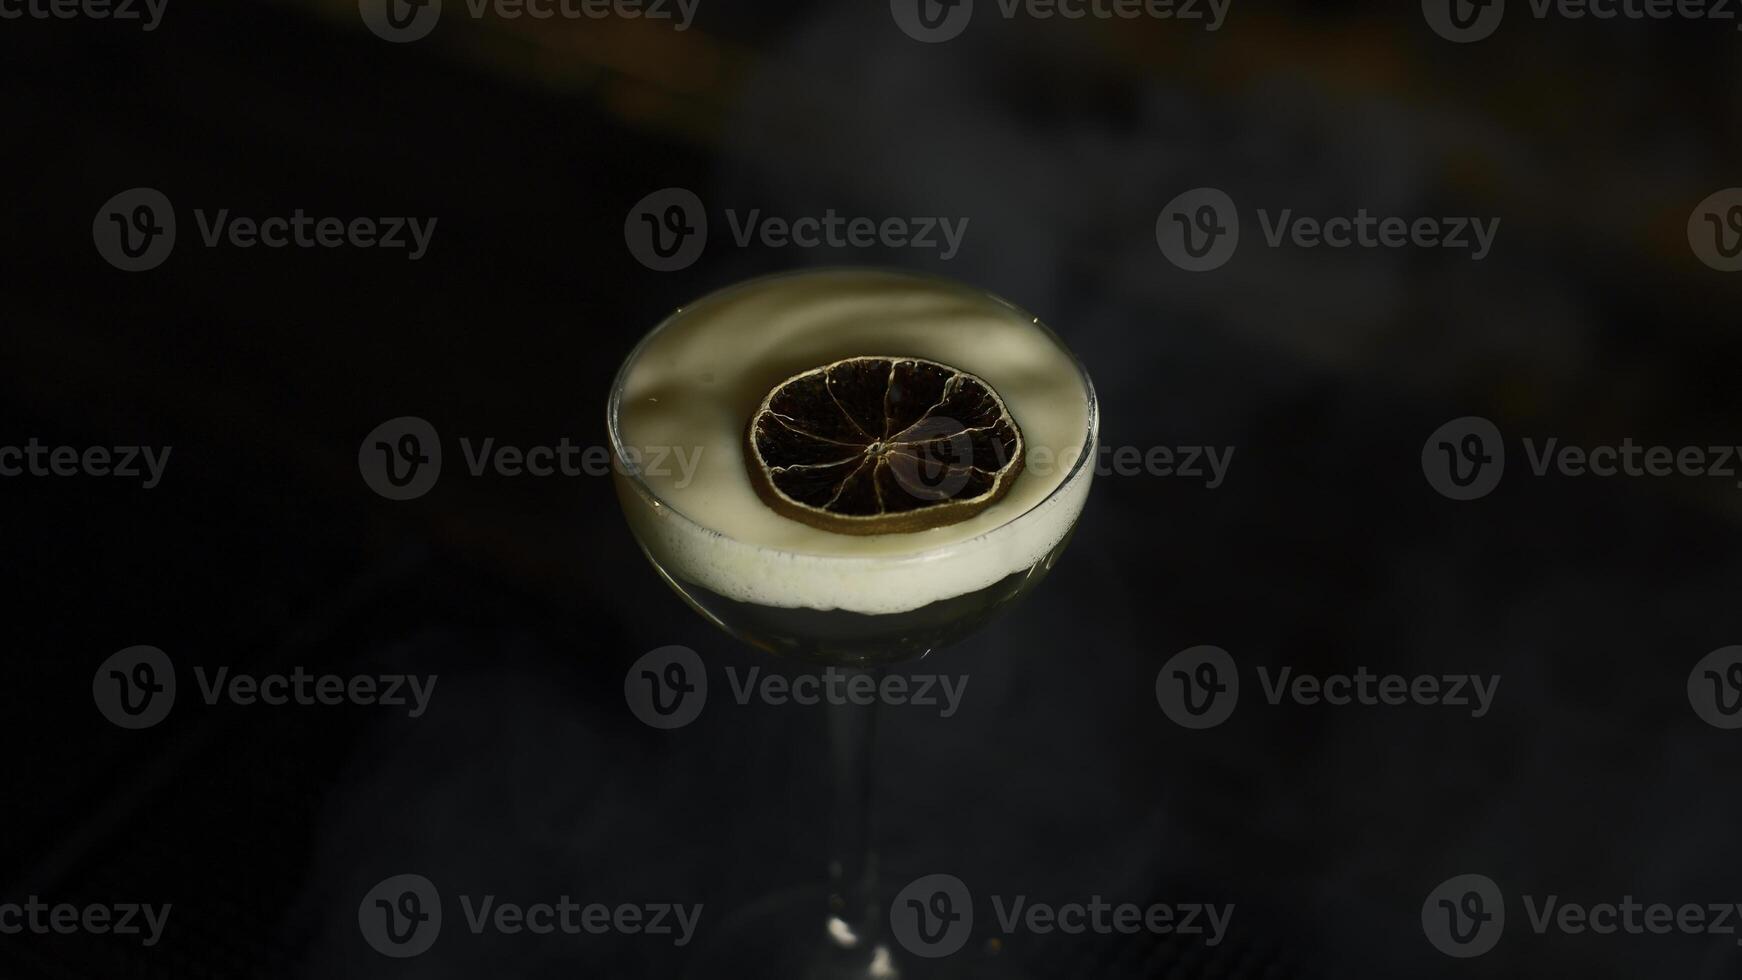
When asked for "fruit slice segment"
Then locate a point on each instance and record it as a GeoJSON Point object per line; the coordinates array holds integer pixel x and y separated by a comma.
{"type": "Point", "coordinates": [882, 445]}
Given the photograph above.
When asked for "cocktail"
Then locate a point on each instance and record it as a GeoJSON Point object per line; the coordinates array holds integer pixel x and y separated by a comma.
{"type": "Point", "coordinates": [881, 462]}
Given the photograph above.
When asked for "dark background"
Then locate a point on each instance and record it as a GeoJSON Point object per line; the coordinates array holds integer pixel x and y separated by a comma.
{"type": "Point", "coordinates": [1325, 550]}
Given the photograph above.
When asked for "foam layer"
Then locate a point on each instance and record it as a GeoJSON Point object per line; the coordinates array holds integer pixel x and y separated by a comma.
{"type": "Point", "coordinates": [694, 383]}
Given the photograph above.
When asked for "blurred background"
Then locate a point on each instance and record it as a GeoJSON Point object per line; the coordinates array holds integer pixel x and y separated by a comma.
{"type": "Point", "coordinates": [1324, 550]}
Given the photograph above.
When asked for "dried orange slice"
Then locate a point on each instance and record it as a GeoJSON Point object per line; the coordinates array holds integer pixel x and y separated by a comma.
{"type": "Point", "coordinates": [882, 445]}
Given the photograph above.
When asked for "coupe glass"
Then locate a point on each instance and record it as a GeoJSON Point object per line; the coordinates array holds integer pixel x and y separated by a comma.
{"type": "Point", "coordinates": [837, 931]}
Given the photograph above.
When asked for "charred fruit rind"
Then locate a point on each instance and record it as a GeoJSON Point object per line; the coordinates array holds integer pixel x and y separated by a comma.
{"type": "Point", "coordinates": [882, 445]}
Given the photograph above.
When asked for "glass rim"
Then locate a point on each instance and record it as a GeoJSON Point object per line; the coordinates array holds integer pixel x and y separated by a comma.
{"type": "Point", "coordinates": [613, 405]}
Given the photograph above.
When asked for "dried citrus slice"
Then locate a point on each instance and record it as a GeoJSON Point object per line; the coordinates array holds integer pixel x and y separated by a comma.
{"type": "Point", "coordinates": [882, 445]}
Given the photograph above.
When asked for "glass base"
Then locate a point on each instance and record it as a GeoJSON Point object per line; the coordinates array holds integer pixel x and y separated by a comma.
{"type": "Point", "coordinates": [786, 936]}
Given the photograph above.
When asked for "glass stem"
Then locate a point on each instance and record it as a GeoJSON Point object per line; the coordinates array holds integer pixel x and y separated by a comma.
{"type": "Point", "coordinates": [854, 920]}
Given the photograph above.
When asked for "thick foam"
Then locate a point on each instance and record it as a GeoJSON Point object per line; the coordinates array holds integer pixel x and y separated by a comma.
{"type": "Point", "coordinates": [692, 386]}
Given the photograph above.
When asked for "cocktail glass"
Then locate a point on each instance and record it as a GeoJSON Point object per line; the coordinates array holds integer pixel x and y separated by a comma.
{"type": "Point", "coordinates": [838, 932]}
